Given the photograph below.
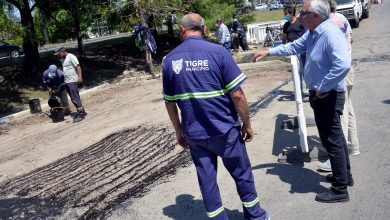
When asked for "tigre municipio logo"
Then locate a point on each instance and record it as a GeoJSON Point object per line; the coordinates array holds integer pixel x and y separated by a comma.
{"type": "Point", "coordinates": [177, 65]}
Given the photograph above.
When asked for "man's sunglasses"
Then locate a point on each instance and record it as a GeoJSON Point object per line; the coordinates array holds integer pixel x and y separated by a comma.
{"type": "Point", "coordinates": [303, 13]}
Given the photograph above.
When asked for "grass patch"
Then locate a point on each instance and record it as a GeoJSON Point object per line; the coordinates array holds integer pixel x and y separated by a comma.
{"type": "Point", "coordinates": [266, 16]}
{"type": "Point", "coordinates": [274, 15]}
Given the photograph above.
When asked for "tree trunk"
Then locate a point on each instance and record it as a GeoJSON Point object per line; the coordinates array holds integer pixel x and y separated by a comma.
{"type": "Point", "coordinates": [98, 27]}
{"type": "Point", "coordinates": [149, 62]}
{"type": "Point", "coordinates": [170, 25]}
{"type": "Point", "coordinates": [44, 28]}
{"type": "Point", "coordinates": [143, 17]}
{"type": "Point", "coordinates": [80, 45]}
{"type": "Point", "coordinates": [75, 11]}
{"type": "Point", "coordinates": [30, 44]}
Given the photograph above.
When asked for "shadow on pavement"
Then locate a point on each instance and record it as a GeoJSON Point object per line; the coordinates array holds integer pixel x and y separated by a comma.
{"type": "Point", "coordinates": [21, 208]}
{"type": "Point", "coordinates": [301, 179]}
{"type": "Point", "coordinates": [286, 144]}
{"type": "Point", "coordinates": [286, 96]}
{"type": "Point", "coordinates": [11, 96]}
{"type": "Point", "coordinates": [284, 139]}
{"type": "Point", "coordinates": [188, 208]}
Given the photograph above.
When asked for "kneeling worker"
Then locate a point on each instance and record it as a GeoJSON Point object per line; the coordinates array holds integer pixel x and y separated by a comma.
{"type": "Point", "coordinates": [53, 79]}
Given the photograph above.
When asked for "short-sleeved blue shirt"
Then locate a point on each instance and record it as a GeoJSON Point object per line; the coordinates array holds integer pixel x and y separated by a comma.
{"type": "Point", "coordinates": [57, 82]}
{"type": "Point", "coordinates": [199, 76]}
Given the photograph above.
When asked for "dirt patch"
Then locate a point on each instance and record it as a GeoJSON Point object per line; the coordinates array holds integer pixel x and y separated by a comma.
{"type": "Point", "coordinates": [103, 62]}
{"type": "Point", "coordinates": [3, 129]}
{"type": "Point", "coordinates": [123, 147]}
{"type": "Point", "coordinates": [89, 183]}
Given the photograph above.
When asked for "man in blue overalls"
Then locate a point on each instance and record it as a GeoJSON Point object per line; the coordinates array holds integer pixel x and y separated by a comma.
{"type": "Point", "coordinates": [203, 80]}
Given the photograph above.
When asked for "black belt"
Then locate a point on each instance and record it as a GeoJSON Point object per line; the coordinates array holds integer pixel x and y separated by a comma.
{"type": "Point", "coordinates": [313, 92]}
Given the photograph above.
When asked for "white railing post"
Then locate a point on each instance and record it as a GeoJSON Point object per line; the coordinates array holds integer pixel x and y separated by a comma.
{"type": "Point", "coordinates": [299, 104]}
{"type": "Point", "coordinates": [256, 32]}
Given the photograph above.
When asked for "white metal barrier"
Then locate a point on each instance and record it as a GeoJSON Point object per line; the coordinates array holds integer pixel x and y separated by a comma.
{"type": "Point", "coordinates": [299, 104]}
{"type": "Point", "coordinates": [256, 32]}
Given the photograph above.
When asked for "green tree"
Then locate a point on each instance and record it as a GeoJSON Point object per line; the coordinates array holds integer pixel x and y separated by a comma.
{"type": "Point", "coordinates": [61, 26]}
{"type": "Point", "coordinates": [75, 7]}
{"type": "Point", "coordinates": [152, 13]}
{"type": "Point", "coordinates": [66, 19]}
{"type": "Point", "coordinates": [210, 10]}
{"type": "Point", "coordinates": [10, 30]}
{"type": "Point", "coordinates": [143, 14]}
{"type": "Point", "coordinates": [88, 13]}
{"type": "Point", "coordinates": [106, 17]}
{"type": "Point", "coordinates": [30, 43]}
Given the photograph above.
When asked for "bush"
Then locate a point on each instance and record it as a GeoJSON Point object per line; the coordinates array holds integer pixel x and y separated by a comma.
{"type": "Point", "coordinates": [247, 18]}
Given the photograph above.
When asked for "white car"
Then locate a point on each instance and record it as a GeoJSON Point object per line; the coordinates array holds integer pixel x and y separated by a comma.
{"type": "Point", "coordinates": [275, 6]}
{"type": "Point", "coordinates": [261, 7]}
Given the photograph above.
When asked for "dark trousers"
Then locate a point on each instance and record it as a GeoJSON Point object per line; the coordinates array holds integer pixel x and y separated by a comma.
{"type": "Point", "coordinates": [73, 90]}
{"type": "Point", "coordinates": [235, 43]}
{"type": "Point", "coordinates": [327, 113]}
{"type": "Point", "coordinates": [231, 148]}
{"type": "Point", "coordinates": [243, 43]}
{"type": "Point", "coordinates": [240, 41]}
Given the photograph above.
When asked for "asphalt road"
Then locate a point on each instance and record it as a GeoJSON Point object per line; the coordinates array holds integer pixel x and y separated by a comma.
{"type": "Point", "coordinates": [371, 99]}
{"type": "Point", "coordinates": [73, 44]}
{"type": "Point", "coordinates": [288, 191]}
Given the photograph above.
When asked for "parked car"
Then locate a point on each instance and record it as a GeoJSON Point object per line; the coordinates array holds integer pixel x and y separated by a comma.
{"type": "Point", "coordinates": [354, 10]}
{"type": "Point", "coordinates": [275, 6]}
{"type": "Point", "coordinates": [10, 50]}
{"type": "Point", "coordinates": [261, 7]}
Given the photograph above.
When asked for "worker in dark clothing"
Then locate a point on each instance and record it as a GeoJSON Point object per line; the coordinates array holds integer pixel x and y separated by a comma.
{"type": "Point", "coordinates": [292, 29]}
{"type": "Point", "coordinates": [53, 79]}
{"type": "Point", "coordinates": [239, 36]}
{"type": "Point", "coordinates": [204, 82]}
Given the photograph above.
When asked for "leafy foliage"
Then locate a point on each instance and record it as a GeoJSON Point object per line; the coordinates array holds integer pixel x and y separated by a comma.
{"type": "Point", "coordinates": [210, 10]}
{"type": "Point", "coordinates": [10, 30]}
{"type": "Point", "coordinates": [247, 18]}
{"type": "Point", "coordinates": [48, 21]}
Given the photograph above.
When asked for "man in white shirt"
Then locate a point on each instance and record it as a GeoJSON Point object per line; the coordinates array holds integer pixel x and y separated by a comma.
{"type": "Point", "coordinates": [223, 34]}
{"type": "Point", "coordinates": [73, 77]}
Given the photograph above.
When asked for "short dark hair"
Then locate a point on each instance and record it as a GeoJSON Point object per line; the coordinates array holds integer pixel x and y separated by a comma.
{"type": "Point", "coordinates": [290, 9]}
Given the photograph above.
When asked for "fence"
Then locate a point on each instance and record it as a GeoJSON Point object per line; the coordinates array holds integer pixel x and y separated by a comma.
{"type": "Point", "coordinates": [256, 32]}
